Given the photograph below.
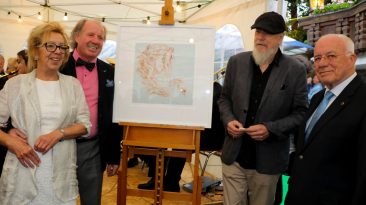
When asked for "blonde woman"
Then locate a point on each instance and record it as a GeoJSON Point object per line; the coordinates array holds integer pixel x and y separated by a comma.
{"type": "Point", "coordinates": [49, 111]}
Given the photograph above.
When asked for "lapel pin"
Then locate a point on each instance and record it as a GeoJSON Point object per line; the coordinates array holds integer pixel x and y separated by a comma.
{"type": "Point", "coordinates": [342, 103]}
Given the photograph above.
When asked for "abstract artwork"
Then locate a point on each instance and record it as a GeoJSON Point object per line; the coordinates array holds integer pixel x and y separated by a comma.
{"type": "Point", "coordinates": [164, 75]}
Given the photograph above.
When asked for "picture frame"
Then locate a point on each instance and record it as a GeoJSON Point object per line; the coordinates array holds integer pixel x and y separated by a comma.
{"type": "Point", "coordinates": [164, 75]}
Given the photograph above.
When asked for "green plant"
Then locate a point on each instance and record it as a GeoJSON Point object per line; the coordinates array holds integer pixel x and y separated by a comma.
{"type": "Point", "coordinates": [334, 6]}
{"type": "Point", "coordinates": [298, 34]}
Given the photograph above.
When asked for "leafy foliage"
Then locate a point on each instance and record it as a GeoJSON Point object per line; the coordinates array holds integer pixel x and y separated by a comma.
{"type": "Point", "coordinates": [335, 5]}
{"type": "Point", "coordinates": [298, 34]}
{"type": "Point", "coordinates": [297, 8]}
{"type": "Point", "coordinates": [300, 8]}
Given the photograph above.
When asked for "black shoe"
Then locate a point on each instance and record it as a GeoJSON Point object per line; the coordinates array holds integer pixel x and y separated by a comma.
{"type": "Point", "coordinates": [172, 187]}
{"type": "Point", "coordinates": [132, 162]}
{"type": "Point", "coordinates": [150, 185]}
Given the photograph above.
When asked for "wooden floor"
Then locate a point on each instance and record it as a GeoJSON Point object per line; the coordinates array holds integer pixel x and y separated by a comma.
{"type": "Point", "coordinates": [136, 176]}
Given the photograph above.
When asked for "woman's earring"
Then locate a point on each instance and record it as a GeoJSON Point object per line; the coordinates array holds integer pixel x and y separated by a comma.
{"type": "Point", "coordinates": [36, 61]}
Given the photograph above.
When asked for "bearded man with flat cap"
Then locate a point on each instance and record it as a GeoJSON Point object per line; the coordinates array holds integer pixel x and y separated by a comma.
{"type": "Point", "coordinates": [264, 99]}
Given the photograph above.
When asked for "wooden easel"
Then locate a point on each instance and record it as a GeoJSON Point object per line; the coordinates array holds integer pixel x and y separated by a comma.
{"type": "Point", "coordinates": [156, 140]}
{"type": "Point", "coordinates": [167, 13]}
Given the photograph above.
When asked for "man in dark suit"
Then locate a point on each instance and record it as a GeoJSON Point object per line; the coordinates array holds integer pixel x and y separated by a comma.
{"type": "Point", "coordinates": [263, 100]}
{"type": "Point", "coordinates": [102, 148]}
{"type": "Point", "coordinates": [329, 166]}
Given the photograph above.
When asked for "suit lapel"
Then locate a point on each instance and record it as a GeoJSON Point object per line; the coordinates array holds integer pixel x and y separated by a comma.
{"type": "Point", "coordinates": [339, 104]}
{"type": "Point", "coordinates": [101, 77]}
{"type": "Point", "coordinates": [244, 80]}
{"type": "Point", "coordinates": [69, 68]}
{"type": "Point", "coordinates": [315, 101]}
{"type": "Point", "coordinates": [32, 95]}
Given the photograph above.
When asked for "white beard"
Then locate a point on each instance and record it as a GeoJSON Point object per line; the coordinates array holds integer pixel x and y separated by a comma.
{"type": "Point", "coordinates": [261, 58]}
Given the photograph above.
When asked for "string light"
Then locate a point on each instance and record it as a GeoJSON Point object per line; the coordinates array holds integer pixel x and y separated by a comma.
{"type": "Point", "coordinates": [178, 8]}
{"type": "Point", "coordinates": [39, 16]}
{"type": "Point", "coordinates": [65, 17]}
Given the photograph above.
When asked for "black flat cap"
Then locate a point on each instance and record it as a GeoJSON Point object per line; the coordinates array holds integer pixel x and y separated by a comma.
{"type": "Point", "coordinates": [270, 22]}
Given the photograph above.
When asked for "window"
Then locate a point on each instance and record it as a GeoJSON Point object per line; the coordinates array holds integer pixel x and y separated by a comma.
{"type": "Point", "coordinates": [228, 42]}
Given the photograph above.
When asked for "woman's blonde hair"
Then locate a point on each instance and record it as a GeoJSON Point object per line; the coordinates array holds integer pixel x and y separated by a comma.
{"type": "Point", "coordinates": [38, 36]}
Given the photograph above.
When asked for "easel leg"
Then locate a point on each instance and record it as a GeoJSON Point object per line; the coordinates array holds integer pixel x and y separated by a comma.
{"type": "Point", "coordinates": [197, 183]}
{"type": "Point", "coordinates": [159, 176]}
{"type": "Point", "coordinates": [123, 178]}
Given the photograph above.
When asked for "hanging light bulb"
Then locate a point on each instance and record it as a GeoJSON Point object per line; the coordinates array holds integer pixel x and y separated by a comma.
{"type": "Point", "coordinates": [39, 17]}
{"type": "Point", "coordinates": [20, 19]}
{"type": "Point", "coordinates": [148, 22]}
{"type": "Point", "coordinates": [316, 4]}
{"type": "Point", "coordinates": [178, 8]}
{"type": "Point", "coordinates": [65, 17]}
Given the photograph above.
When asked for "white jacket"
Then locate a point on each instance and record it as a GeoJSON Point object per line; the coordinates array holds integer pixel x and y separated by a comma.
{"type": "Point", "coordinates": [19, 100]}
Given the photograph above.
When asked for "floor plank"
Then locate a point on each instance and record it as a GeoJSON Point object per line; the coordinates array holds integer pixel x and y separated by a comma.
{"type": "Point", "coordinates": [136, 176]}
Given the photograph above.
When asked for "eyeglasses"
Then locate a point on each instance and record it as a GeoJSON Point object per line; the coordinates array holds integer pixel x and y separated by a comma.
{"type": "Point", "coordinates": [52, 47]}
{"type": "Point", "coordinates": [328, 57]}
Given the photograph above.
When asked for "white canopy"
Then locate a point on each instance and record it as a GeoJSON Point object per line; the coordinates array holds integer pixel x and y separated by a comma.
{"type": "Point", "coordinates": [214, 13]}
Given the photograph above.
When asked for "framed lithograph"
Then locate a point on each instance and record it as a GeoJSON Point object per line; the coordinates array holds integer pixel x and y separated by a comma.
{"type": "Point", "coordinates": [164, 75]}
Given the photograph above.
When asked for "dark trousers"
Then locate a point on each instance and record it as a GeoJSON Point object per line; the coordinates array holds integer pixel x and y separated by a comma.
{"type": "Point", "coordinates": [3, 152]}
{"type": "Point", "coordinates": [278, 197]}
{"type": "Point", "coordinates": [173, 169]}
{"type": "Point", "coordinates": [89, 172]}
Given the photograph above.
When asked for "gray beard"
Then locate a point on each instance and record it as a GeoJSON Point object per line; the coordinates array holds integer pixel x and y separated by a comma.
{"type": "Point", "coordinates": [261, 58]}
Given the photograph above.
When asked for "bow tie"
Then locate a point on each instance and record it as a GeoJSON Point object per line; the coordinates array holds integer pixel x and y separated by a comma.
{"type": "Point", "coordinates": [89, 66]}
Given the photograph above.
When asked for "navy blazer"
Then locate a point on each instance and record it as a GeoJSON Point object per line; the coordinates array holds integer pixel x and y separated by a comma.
{"type": "Point", "coordinates": [281, 109]}
{"type": "Point", "coordinates": [330, 167]}
{"type": "Point", "coordinates": [110, 134]}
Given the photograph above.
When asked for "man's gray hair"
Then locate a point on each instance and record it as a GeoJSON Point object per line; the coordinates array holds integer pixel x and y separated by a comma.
{"type": "Point", "coordinates": [79, 26]}
{"type": "Point", "coordinates": [350, 46]}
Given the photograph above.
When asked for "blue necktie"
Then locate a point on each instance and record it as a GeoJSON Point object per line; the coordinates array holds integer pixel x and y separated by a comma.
{"type": "Point", "coordinates": [318, 113]}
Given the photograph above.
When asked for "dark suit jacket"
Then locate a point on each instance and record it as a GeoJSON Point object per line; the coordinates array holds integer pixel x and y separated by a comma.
{"type": "Point", "coordinates": [213, 138]}
{"type": "Point", "coordinates": [110, 134]}
{"type": "Point", "coordinates": [281, 109]}
{"type": "Point", "coordinates": [330, 168]}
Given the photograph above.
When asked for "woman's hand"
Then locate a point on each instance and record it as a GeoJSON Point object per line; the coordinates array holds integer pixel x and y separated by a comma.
{"type": "Point", "coordinates": [45, 142]}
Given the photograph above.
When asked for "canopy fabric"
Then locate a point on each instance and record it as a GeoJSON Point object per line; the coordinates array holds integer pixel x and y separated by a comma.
{"type": "Point", "coordinates": [214, 13]}
{"type": "Point", "coordinates": [291, 46]}
{"type": "Point", "coordinates": [112, 12]}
